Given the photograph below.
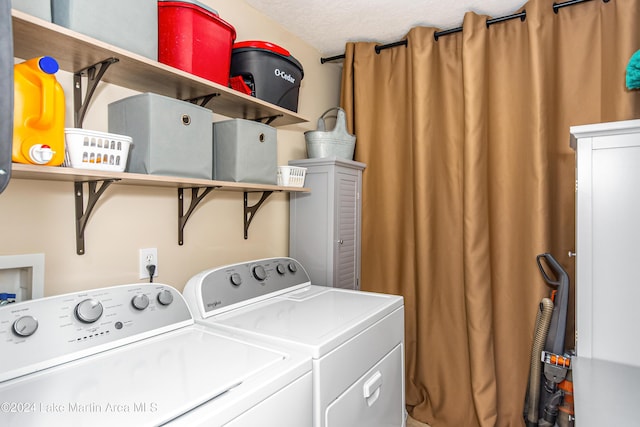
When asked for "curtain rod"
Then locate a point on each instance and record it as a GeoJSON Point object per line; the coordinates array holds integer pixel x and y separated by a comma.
{"type": "Point", "coordinates": [522, 15]}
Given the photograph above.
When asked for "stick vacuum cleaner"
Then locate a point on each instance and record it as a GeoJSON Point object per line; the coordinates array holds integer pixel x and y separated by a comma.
{"type": "Point", "coordinates": [550, 366]}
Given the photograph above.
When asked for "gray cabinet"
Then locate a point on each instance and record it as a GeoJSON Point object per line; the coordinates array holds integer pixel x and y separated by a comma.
{"type": "Point", "coordinates": [325, 223]}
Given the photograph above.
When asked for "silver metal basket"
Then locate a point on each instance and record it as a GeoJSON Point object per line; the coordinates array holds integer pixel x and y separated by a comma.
{"type": "Point", "coordinates": [336, 142]}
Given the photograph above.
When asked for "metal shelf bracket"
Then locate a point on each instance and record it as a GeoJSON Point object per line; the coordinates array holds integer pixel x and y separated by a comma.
{"type": "Point", "coordinates": [82, 214]}
{"type": "Point", "coordinates": [202, 101]}
{"type": "Point", "coordinates": [269, 119]}
{"type": "Point", "coordinates": [94, 75]}
{"type": "Point", "coordinates": [250, 211]}
{"type": "Point", "coordinates": [195, 200]}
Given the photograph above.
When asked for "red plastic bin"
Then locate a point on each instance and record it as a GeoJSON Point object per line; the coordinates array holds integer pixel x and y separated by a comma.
{"type": "Point", "coordinates": [193, 38]}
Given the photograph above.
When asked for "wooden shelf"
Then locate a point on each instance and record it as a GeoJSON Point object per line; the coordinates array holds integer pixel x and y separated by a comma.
{"type": "Point", "coordinates": [74, 52]}
{"type": "Point", "coordinates": [54, 173]}
{"type": "Point", "coordinates": [90, 185]}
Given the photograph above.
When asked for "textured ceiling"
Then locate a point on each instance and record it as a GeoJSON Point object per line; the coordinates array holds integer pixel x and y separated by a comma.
{"type": "Point", "coordinates": [329, 24]}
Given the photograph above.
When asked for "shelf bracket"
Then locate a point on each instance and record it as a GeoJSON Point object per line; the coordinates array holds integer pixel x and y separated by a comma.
{"type": "Point", "coordinates": [82, 214]}
{"type": "Point", "coordinates": [94, 75]}
{"type": "Point", "coordinates": [250, 211]}
{"type": "Point", "coordinates": [202, 100]}
{"type": "Point", "coordinates": [195, 200]}
{"type": "Point", "coordinates": [268, 119]}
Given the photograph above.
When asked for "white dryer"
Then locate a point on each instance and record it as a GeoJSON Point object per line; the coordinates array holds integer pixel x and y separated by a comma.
{"type": "Point", "coordinates": [355, 339]}
{"type": "Point", "coordinates": [131, 355]}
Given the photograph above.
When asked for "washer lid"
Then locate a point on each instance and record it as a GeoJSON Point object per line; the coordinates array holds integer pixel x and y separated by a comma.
{"type": "Point", "coordinates": [315, 317]}
{"type": "Point", "coordinates": [146, 383]}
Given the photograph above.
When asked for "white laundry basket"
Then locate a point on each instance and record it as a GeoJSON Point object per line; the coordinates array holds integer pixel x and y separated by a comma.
{"type": "Point", "coordinates": [291, 176]}
{"type": "Point", "coordinates": [86, 149]}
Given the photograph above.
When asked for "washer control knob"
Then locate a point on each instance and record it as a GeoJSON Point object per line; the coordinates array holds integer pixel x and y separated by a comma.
{"type": "Point", "coordinates": [140, 301]}
{"type": "Point", "coordinates": [89, 310]}
{"type": "Point", "coordinates": [259, 273]}
{"type": "Point", "coordinates": [281, 269]}
{"type": "Point", "coordinates": [292, 267]}
{"type": "Point", "coordinates": [25, 326]}
{"type": "Point", "coordinates": [165, 297]}
{"type": "Point", "coordinates": [236, 279]}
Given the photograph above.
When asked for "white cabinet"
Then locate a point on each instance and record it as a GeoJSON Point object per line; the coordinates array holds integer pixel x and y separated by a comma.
{"type": "Point", "coordinates": [325, 223]}
{"type": "Point", "coordinates": [606, 371]}
{"type": "Point", "coordinates": [608, 241]}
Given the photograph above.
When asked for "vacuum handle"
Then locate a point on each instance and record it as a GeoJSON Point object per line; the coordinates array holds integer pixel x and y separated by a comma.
{"type": "Point", "coordinates": [560, 274]}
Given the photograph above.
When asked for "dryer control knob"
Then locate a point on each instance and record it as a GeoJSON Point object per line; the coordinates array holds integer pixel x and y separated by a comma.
{"type": "Point", "coordinates": [25, 326]}
{"type": "Point", "coordinates": [292, 267]}
{"type": "Point", "coordinates": [89, 310]}
{"type": "Point", "coordinates": [236, 279]}
{"type": "Point", "coordinates": [140, 301]}
{"type": "Point", "coordinates": [280, 269]}
{"type": "Point", "coordinates": [165, 297]}
{"type": "Point", "coordinates": [259, 273]}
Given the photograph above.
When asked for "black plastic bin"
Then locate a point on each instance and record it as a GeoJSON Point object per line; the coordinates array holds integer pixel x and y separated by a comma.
{"type": "Point", "coordinates": [270, 71]}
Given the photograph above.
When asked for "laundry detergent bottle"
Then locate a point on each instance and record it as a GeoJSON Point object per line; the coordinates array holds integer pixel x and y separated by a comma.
{"type": "Point", "coordinates": [39, 108]}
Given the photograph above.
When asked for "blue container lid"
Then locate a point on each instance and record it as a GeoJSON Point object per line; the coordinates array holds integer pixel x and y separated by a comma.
{"type": "Point", "coordinates": [48, 65]}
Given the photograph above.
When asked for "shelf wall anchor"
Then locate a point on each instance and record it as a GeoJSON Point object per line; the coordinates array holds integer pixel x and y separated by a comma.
{"type": "Point", "coordinates": [250, 211]}
{"type": "Point", "coordinates": [82, 214]}
{"type": "Point", "coordinates": [94, 74]}
{"type": "Point", "coordinates": [195, 200]}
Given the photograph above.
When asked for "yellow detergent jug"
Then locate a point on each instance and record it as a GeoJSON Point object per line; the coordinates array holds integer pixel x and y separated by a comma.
{"type": "Point", "coordinates": [39, 108]}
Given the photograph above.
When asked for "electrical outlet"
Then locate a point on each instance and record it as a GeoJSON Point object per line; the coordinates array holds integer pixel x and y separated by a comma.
{"type": "Point", "coordinates": [148, 256]}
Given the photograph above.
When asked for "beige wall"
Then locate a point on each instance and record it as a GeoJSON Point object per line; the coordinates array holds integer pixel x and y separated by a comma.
{"type": "Point", "coordinates": [38, 216]}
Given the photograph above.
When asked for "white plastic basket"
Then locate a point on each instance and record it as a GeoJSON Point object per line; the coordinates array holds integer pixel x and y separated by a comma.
{"type": "Point", "coordinates": [291, 176]}
{"type": "Point", "coordinates": [87, 149]}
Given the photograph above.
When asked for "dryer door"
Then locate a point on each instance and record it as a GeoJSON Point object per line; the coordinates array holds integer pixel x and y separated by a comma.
{"type": "Point", "coordinates": [375, 400]}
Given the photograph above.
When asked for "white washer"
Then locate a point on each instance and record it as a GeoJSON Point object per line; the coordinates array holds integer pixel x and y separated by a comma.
{"type": "Point", "coordinates": [356, 339]}
{"type": "Point", "coordinates": [131, 355]}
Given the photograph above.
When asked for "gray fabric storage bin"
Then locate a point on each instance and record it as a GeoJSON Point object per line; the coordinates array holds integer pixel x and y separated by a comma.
{"type": "Point", "coordinates": [170, 137]}
{"type": "Point", "coordinates": [38, 8]}
{"type": "Point", "coordinates": [131, 25]}
{"type": "Point", "coordinates": [244, 151]}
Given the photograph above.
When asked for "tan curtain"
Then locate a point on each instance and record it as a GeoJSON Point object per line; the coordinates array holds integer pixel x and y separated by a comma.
{"type": "Point", "coordinates": [469, 176]}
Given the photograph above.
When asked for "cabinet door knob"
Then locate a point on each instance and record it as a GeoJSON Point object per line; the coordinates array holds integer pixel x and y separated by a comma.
{"type": "Point", "coordinates": [340, 241]}
{"type": "Point", "coordinates": [571, 254]}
